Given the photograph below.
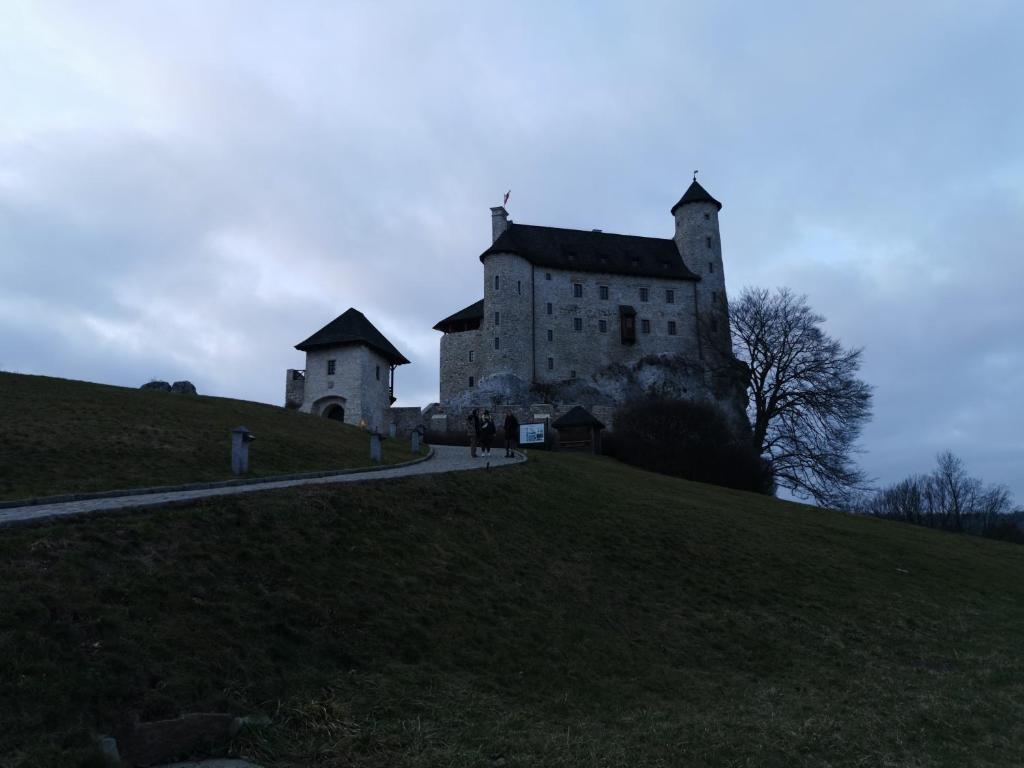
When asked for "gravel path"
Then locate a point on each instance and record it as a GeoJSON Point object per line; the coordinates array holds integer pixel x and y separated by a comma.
{"type": "Point", "coordinates": [445, 459]}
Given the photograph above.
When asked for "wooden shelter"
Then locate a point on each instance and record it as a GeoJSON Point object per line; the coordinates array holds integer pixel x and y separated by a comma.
{"type": "Point", "coordinates": [578, 430]}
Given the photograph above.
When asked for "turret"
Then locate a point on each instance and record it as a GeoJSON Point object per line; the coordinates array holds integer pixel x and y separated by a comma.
{"type": "Point", "coordinates": [700, 245]}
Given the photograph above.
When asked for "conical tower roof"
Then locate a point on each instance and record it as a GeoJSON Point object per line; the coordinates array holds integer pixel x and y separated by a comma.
{"type": "Point", "coordinates": [696, 194]}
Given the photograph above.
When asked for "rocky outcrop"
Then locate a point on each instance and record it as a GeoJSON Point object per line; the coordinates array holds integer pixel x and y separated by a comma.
{"type": "Point", "coordinates": [160, 386]}
{"type": "Point", "coordinates": [183, 388]}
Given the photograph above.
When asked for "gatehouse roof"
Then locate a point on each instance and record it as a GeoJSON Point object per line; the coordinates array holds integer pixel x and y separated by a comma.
{"type": "Point", "coordinates": [578, 250]}
{"type": "Point", "coordinates": [462, 318]}
{"type": "Point", "coordinates": [352, 327]}
{"type": "Point", "coordinates": [577, 417]}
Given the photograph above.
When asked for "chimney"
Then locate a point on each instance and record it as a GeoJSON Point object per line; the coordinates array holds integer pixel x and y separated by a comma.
{"type": "Point", "coordinates": [499, 222]}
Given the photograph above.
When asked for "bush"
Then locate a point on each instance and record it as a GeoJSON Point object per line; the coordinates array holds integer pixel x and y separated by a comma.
{"type": "Point", "coordinates": [688, 440]}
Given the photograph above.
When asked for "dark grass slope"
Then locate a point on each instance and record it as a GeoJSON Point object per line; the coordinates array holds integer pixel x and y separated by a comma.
{"type": "Point", "coordinates": [568, 612]}
{"type": "Point", "coordinates": [60, 436]}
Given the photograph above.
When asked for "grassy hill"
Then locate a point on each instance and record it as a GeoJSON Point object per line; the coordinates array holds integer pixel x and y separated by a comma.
{"type": "Point", "coordinates": [567, 612]}
{"type": "Point", "coordinates": [60, 436]}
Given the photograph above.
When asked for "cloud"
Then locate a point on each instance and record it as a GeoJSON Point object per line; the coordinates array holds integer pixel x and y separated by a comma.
{"type": "Point", "coordinates": [188, 190]}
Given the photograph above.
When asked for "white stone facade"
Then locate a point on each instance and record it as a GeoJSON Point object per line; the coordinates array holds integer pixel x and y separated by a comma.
{"type": "Point", "coordinates": [559, 329]}
{"type": "Point", "coordinates": [359, 384]}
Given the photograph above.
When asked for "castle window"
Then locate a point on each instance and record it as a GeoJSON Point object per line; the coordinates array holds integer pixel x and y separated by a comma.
{"type": "Point", "coordinates": [577, 290]}
{"type": "Point", "coordinates": [645, 326]}
{"type": "Point", "coordinates": [603, 292]}
{"type": "Point", "coordinates": [714, 323]}
{"type": "Point", "coordinates": [551, 363]}
{"type": "Point", "coordinates": [711, 266]}
{"type": "Point", "coordinates": [707, 217]}
{"type": "Point", "coordinates": [627, 325]}
{"type": "Point", "coordinates": [708, 241]}
{"type": "Point", "coordinates": [331, 364]}
{"type": "Point", "coordinates": [645, 294]}
{"type": "Point", "coordinates": [602, 326]}
{"type": "Point", "coordinates": [714, 297]}
{"type": "Point", "coordinates": [577, 324]}
{"type": "Point", "coordinates": [377, 373]}
{"type": "Point", "coordinates": [547, 275]}
{"type": "Point", "coordinates": [572, 374]}
{"type": "Point", "coordinates": [497, 318]}
{"type": "Point", "coordinates": [497, 284]}
{"type": "Point", "coordinates": [549, 308]}
{"type": "Point", "coordinates": [670, 296]}
{"type": "Point", "coordinates": [551, 335]}
{"type": "Point", "coordinates": [519, 287]}
{"type": "Point", "coordinates": [671, 327]}
{"type": "Point", "coordinates": [471, 355]}
{"type": "Point", "coordinates": [471, 382]}
{"type": "Point", "coordinates": [497, 343]}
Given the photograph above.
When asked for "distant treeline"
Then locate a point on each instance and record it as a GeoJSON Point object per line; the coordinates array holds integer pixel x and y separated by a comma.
{"type": "Point", "coordinates": [947, 498]}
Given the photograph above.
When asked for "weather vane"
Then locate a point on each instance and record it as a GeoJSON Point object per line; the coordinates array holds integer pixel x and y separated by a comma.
{"type": "Point", "coordinates": [695, 175]}
{"type": "Point", "coordinates": [505, 201]}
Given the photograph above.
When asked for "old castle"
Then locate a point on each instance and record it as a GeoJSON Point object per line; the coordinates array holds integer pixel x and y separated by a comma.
{"type": "Point", "coordinates": [568, 317]}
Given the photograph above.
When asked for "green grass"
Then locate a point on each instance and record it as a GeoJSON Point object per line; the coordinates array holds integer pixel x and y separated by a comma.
{"type": "Point", "coordinates": [567, 612]}
{"type": "Point", "coordinates": [59, 436]}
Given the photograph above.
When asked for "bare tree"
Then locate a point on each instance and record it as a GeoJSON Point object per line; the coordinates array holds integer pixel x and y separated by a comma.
{"type": "Point", "coordinates": [805, 402]}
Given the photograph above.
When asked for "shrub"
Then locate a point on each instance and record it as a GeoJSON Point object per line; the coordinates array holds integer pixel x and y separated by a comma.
{"type": "Point", "coordinates": [689, 440]}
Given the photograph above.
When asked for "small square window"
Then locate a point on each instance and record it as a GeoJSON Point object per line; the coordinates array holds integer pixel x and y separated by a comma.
{"type": "Point", "coordinates": [711, 266]}
{"type": "Point", "coordinates": [645, 294]}
{"type": "Point", "coordinates": [645, 326]}
{"type": "Point", "coordinates": [331, 365]}
{"type": "Point", "coordinates": [577, 290]}
{"type": "Point", "coordinates": [603, 292]}
{"type": "Point", "coordinates": [670, 296]}
{"type": "Point", "coordinates": [547, 275]}
{"type": "Point", "coordinates": [497, 343]}
{"type": "Point", "coordinates": [549, 308]}
{"type": "Point", "coordinates": [707, 217]}
{"type": "Point", "coordinates": [551, 335]}
{"type": "Point", "coordinates": [671, 327]}
{"type": "Point", "coordinates": [572, 374]}
{"type": "Point", "coordinates": [471, 355]}
{"type": "Point", "coordinates": [602, 326]}
{"type": "Point", "coordinates": [471, 382]}
{"type": "Point", "coordinates": [708, 241]}
{"type": "Point", "coordinates": [551, 363]}
{"type": "Point", "coordinates": [577, 324]}
{"type": "Point", "coordinates": [497, 318]}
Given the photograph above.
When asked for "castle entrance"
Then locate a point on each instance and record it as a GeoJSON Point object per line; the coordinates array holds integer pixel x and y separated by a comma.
{"type": "Point", "coordinates": [335, 413]}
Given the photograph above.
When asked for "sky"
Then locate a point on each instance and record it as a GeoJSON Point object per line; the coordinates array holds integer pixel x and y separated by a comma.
{"type": "Point", "coordinates": [189, 189]}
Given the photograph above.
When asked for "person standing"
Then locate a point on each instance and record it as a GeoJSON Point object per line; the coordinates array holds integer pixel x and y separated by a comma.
{"type": "Point", "coordinates": [487, 430]}
{"type": "Point", "coordinates": [511, 434]}
{"type": "Point", "coordinates": [473, 428]}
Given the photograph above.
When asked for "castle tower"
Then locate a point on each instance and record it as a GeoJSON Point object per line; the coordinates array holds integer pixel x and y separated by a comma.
{"type": "Point", "coordinates": [506, 330]}
{"type": "Point", "coordinates": [700, 244]}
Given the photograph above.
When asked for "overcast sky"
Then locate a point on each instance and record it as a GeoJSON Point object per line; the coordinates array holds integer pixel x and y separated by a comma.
{"type": "Point", "coordinates": [187, 190]}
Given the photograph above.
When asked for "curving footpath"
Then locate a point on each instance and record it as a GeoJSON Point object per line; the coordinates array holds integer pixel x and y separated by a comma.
{"type": "Point", "coordinates": [445, 458]}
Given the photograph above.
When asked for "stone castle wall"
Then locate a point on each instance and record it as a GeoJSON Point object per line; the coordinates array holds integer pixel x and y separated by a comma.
{"type": "Point", "coordinates": [460, 359]}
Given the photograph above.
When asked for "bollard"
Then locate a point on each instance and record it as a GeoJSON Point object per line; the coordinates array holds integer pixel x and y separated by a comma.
{"type": "Point", "coordinates": [415, 441]}
{"type": "Point", "coordinates": [240, 439]}
{"type": "Point", "coordinates": [375, 447]}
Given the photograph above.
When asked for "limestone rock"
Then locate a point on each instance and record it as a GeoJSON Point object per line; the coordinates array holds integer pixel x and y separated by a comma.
{"type": "Point", "coordinates": [161, 386]}
{"type": "Point", "coordinates": [183, 388]}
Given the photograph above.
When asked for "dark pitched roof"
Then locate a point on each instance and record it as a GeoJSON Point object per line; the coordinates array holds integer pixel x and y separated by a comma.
{"type": "Point", "coordinates": [696, 194]}
{"type": "Point", "coordinates": [474, 311]}
{"type": "Point", "coordinates": [577, 417]}
{"type": "Point", "coordinates": [582, 251]}
{"type": "Point", "coordinates": [352, 327]}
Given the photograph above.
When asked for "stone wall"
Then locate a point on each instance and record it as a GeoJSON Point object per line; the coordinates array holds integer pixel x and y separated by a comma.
{"type": "Point", "coordinates": [456, 365]}
{"type": "Point", "coordinates": [404, 419]}
{"type": "Point", "coordinates": [294, 388]}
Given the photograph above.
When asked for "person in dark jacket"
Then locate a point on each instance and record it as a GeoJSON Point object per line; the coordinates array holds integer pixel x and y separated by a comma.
{"type": "Point", "coordinates": [511, 434]}
{"type": "Point", "coordinates": [487, 430]}
{"type": "Point", "coordinates": [473, 428]}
